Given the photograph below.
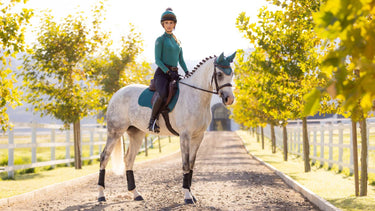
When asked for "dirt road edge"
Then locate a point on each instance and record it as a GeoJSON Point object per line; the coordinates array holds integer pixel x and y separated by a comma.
{"type": "Point", "coordinates": [62, 186]}
{"type": "Point", "coordinates": [312, 197]}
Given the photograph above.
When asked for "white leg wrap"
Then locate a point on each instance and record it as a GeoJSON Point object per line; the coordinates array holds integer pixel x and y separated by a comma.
{"type": "Point", "coordinates": [135, 193]}
{"type": "Point", "coordinates": [101, 191]}
{"type": "Point", "coordinates": [187, 193]}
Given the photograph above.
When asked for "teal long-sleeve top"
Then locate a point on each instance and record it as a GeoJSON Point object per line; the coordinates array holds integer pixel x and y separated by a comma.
{"type": "Point", "coordinates": [168, 52]}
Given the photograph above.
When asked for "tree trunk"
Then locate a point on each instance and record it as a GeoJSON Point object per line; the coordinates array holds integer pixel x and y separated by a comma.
{"type": "Point", "coordinates": [257, 133]}
{"type": "Point", "coordinates": [273, 139]}
{"type": "Point", "coordinates": [285, 143]}
{"type": "Point", "coordinates": [262, 133]}
{"type": "Point", "coordinates": [306, 145]}
{"type": "Point", "coordinates": [77, 144]}
{"type": "Point", "coordinates": [364, 149]}
{"type": "Point", "coordinates": [355, 157]}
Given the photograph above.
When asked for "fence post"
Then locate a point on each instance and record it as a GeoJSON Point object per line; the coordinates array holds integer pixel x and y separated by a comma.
{"type": "Point", "coordinates": [146, 151]}
{"type": "Point", "coordinates": [159, 144]}
{"type": "Point", "coordinates": [67, 147]}
{"type": "Point", "coordinates": [341, 137]}
{"type": "Point", "coordinates": [321, 143]}
{"type": "Point", "coordinates": [11, 152]}
{"type": "Point", "coordinates": [53, 135]}
{"type": "Point", "coordinates": [91, 142]}
{"type": "Point", "coordinates": [298, 137]}
{"type": "Point", "coordinates": [100, 139]}
{"type": "Point", "coordinates": [314, 145]}
{"type": "Point", "coordinates": [294, 146]}
{"type": "Point", "coordinates": [33, 142]}
{"type": "Point", "coordinates": [330, 146]}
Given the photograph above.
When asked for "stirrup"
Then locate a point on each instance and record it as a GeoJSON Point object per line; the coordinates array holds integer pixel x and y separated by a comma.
{"type": "Point", "coordinates": [154, 127]}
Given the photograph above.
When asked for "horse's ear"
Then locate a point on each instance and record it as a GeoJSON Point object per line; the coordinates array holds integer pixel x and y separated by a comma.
{"type": "Point", "coordinates": [221, 58]}
{"type": "Point", "coordinates": [231, 57]}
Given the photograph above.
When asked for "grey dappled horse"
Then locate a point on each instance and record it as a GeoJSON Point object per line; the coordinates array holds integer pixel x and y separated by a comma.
{"type": "Point", "coordinates": [190, 118]}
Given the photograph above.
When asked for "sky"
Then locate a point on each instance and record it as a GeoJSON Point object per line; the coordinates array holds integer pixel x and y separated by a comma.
{"type": "Point", "coordinates": [204, 27]}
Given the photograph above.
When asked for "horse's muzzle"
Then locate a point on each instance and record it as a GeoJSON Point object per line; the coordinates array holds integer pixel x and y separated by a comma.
{"type": "Point", "coordinates": [227, 99]}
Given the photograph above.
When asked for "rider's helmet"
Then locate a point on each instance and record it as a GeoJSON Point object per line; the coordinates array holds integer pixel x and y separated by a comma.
{"type": "Point", "coordinates": [168, 15]}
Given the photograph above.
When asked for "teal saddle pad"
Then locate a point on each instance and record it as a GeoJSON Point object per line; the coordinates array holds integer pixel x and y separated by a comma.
{"type": "Point", "coordinates": [146, 96]}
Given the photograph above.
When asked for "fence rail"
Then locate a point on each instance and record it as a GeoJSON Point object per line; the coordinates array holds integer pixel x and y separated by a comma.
{"type": "Point", "coordinates": [35, 136]}
{"type": "Point", "coordinates": [330, 141]}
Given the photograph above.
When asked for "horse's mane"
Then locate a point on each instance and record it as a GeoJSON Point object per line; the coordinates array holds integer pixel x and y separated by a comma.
{"type": "Point", "coordinates": [198, 65]}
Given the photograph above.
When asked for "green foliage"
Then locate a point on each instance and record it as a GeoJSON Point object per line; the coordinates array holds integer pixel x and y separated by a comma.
{"type": "Point", "coordinates": [54, 76]}
{"type": "Point", "coordinates": [116, 68]}
{"type": "Point", "coordinates": [350, 64]}
{"type": "Point", "coordinates": [273, 79]}
{"type": "Point", "coordinates": [12, 29]}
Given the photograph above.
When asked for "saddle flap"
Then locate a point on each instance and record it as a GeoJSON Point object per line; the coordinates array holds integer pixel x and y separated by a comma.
{"type": "Point", "coordinates": [152, 86]}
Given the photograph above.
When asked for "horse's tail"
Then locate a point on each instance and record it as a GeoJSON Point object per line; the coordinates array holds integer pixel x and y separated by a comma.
{"type": "Point", "coordinates": [117, 157]}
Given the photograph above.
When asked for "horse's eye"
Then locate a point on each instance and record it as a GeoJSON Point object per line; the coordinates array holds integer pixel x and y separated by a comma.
{"type": "Point", "coordinates": [220, 76]}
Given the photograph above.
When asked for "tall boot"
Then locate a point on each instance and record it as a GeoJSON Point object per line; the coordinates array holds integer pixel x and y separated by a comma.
{"type": "Point", "coordinates": [156, 106]}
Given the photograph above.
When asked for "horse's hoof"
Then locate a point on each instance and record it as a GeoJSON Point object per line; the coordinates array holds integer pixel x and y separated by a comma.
{"type": "Point", "coordinates": [138, 198]}
{"type": "Point", "coordinates": [194, 199]}
{"type": "Point", "coordinates": [189, 201]}
{"type": "Point", "coordinates": [101, 199]}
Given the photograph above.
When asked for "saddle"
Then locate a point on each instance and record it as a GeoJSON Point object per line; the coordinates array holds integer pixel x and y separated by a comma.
{"type": "Point", "coordinates": [168, 105]}
{"type": "Point", "coordinates": [171, 93]}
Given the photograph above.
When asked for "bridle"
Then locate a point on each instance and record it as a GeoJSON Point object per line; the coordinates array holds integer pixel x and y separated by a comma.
{"type": "Point", "coordinates": [214, 78]}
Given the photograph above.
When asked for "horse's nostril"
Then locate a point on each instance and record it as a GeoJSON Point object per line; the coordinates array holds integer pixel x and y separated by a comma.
{"type": "Point", "coordinates": [226, 99]}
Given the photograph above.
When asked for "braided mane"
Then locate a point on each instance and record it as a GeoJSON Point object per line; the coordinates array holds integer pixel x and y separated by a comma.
{"type": "Point", "coordinates": [198, 65]}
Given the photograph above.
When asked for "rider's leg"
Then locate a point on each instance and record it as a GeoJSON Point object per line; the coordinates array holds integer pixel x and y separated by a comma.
{"type": "Point", "coordinates": [161, 83]}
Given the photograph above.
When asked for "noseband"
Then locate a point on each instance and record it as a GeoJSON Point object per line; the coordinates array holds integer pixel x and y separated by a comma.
{"type": "Point", "coordinates": [213, 78]}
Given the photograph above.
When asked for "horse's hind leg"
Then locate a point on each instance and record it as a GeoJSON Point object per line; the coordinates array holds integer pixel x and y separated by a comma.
{"type": "Point", "coordinates": [136, 137]}
{"type": "Point", "coordinates": [113, 139]}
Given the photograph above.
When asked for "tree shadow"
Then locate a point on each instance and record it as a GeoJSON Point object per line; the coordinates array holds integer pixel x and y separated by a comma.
{"type": "Point", "coordinates": [353, 203]}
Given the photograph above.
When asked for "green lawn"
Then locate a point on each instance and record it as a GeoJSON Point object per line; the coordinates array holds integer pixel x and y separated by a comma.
{"type": "Point", "coordinates": [28, 182]}
{"type": "Point", "coordinates": [337, 188]}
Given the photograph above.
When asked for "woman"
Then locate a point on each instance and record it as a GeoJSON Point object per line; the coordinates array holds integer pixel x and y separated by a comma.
{"type": "Point", "coordinates": [168, 53]}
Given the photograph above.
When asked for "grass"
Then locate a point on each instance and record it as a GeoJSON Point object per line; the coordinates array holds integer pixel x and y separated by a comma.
{"type": "Point", "coordinates": [337, 188]}
{"type": "Point", "coordinates": [41, 177]}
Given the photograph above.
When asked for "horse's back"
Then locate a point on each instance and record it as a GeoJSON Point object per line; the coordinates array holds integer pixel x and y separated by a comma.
{"type": "Point", "coordinates": [121, 103]}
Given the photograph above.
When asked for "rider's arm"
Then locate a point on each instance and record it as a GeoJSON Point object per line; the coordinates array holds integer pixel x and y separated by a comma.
{"type": "Point", "coordinates": [182, 62]}
{"type": "Point", "coordinates": [158, 54]}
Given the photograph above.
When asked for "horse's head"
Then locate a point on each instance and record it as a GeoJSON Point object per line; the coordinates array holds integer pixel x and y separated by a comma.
{"type": "Point", "coordinates": [223, 77]}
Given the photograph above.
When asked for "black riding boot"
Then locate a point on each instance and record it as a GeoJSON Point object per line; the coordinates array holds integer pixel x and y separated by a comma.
{"type": "Point", "coordinates": [156, 106]}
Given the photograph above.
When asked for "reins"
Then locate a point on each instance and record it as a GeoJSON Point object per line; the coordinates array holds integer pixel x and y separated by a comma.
{"type": "Point", "coordinates": [214, 78]}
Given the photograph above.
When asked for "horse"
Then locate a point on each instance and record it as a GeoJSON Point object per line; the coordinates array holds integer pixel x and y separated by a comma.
{"type": "Point", "coordinates": [190, 118]}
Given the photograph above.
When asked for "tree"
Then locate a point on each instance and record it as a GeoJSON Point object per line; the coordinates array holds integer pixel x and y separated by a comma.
{"type": "Point", "coordinates": [116, 68]}
{"type": "Point", "coordinates": [289, 67]}
{"type": "Point", "coordinates": [12, 41]}
{"type": "Point", "coordinates": [350, 66]}
{"type": "Point", "coordinates": [54, 76]}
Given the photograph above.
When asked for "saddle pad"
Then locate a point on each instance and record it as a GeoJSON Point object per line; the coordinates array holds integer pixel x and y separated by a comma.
{"type": "Point", "coordinates": [146, 96]}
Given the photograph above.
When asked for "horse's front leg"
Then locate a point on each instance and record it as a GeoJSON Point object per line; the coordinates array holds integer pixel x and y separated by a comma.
{"type": "Point", "coordinates": [189, 148]}
{"type": "Point", "coordinates": [185, 152]}
{"type": "Point", "coordinates": [194, 146]}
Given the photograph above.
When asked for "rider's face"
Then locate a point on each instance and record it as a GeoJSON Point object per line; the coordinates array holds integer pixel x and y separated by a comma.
{"type": "Point", "coordinates": [169, 26]}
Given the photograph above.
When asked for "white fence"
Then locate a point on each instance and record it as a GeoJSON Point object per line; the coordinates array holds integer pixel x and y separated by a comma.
{"type": "Point", "coordinates": [36, 136]}
{"type": "Point", "coordinates": [330, 141]}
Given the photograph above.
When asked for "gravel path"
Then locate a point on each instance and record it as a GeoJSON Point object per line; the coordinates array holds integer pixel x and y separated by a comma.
{"type": "Point", "coordinates": [225, 178]}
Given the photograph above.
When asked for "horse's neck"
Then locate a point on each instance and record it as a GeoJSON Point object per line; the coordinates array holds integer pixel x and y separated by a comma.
{"type": "Point", "coordinates": [201, 78]}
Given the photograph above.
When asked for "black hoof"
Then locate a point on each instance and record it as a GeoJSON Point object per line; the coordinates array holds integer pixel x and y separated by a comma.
{"type": "Point", "coordinates": [138, 198]}
{"type": "Point", "coordinates": [189, 201]}
{"type": "Point", "coordinates": [194, 199]}
{"type": "Point", "coordinates": [101, 199]}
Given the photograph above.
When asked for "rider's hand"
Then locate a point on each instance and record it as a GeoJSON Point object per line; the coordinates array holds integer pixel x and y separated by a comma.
{"type": "Point", "coordinates": [174, 75]}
